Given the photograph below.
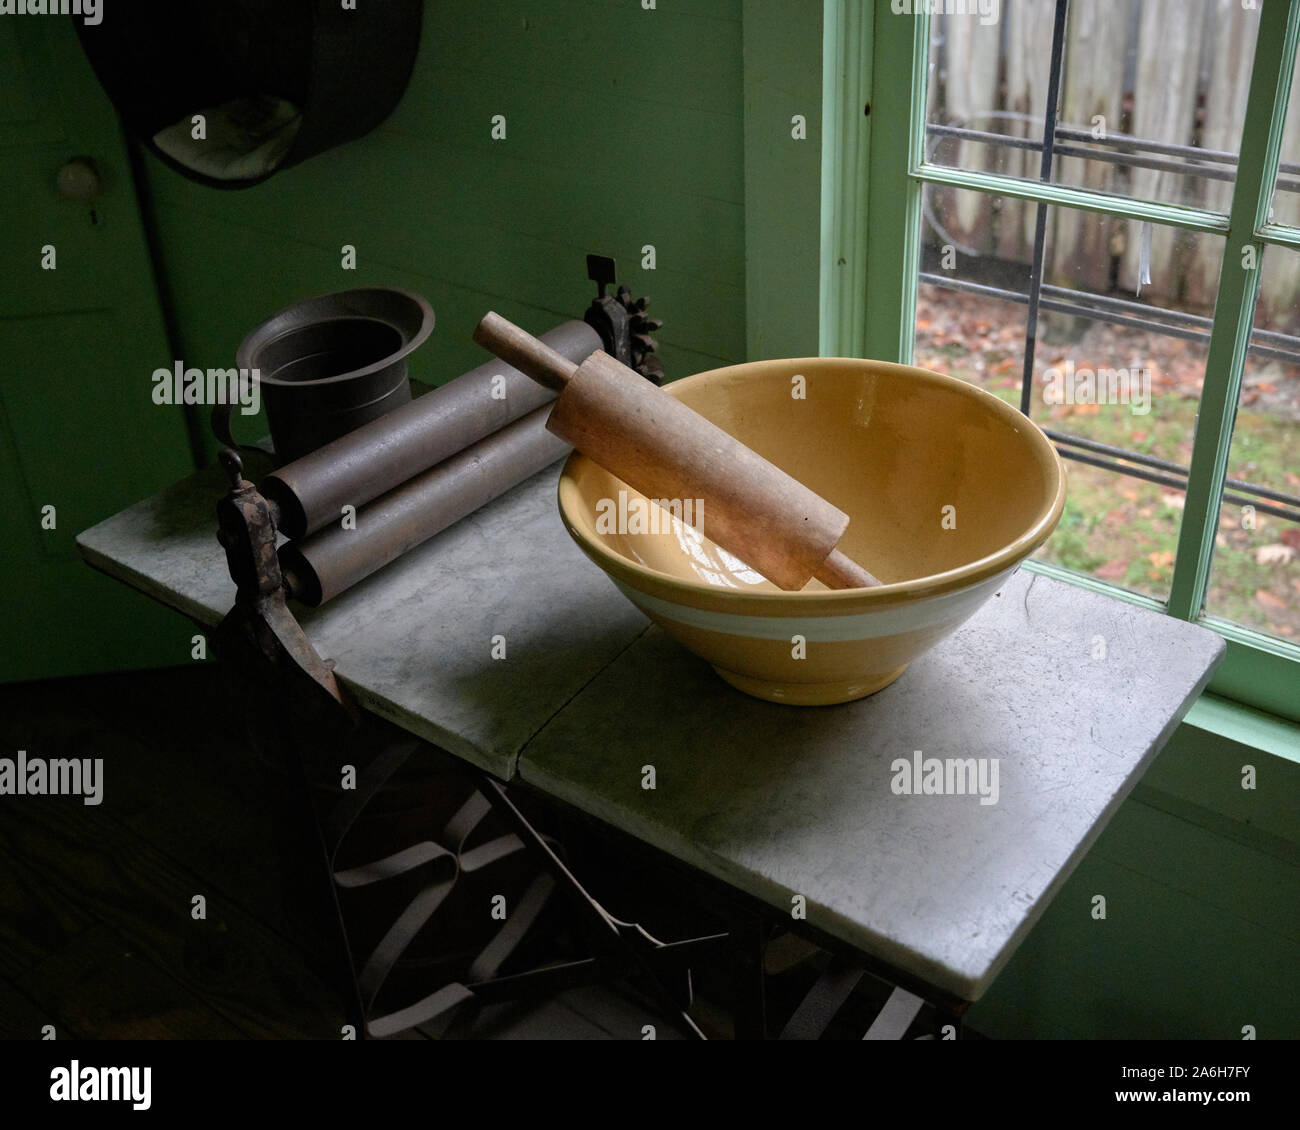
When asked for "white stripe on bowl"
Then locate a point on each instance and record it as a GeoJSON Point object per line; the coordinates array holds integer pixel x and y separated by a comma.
{"type": "Point", "coordinates": [910, 617]}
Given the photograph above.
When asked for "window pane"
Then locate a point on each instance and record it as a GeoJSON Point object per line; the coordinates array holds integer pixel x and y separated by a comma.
{"type": "Point", "coordinates": [1118, 529]}
{"type": "Point", "coordinates": [1153, 95]}
{"type": "Point", "coordinates": [1286, 198]}
{"type": "Point", "coordinates": [971, 306]}
{"type": "Point", "coordinates": [1120, 364]}
{"type": "Point", "coordinates": [1163, 85]}
{"type": "Point", "coordinates": [1124, 302]}
{"type": "Point", "coordinates": [991, 78]}
{"type": "Point", "coordinates": [1255, 579]}
{"type": "Point", "coordinates": [1118, 368]}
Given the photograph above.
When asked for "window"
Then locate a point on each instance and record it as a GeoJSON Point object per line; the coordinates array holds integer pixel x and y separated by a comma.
{"type": "Point", "coordinates": [1095, 212]}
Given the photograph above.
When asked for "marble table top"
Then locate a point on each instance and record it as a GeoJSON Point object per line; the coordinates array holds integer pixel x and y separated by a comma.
{"type": "Point", "coordinates": [414, 642]}
{"type": "Point", "coordinates": [795, 806]}
{"type": "Point", "coordinates": [783, 801]}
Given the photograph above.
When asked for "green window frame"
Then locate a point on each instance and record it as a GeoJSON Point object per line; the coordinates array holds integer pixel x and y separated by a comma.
{"type": "Point", "coordinates": [875, 65]}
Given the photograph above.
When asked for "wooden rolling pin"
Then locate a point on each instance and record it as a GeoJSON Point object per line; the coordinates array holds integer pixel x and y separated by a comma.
{"type": "Point", "coordinates": [662, 448]}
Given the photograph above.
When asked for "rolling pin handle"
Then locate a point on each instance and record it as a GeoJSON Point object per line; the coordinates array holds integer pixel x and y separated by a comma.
{"type": "Point", "coordinates": [841, 572]}
{"type": "Point", "coordinates": [520, 349]}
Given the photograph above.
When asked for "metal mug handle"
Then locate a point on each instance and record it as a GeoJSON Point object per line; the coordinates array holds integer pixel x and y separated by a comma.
{"type": "Point", "coordinates": [221, 414]}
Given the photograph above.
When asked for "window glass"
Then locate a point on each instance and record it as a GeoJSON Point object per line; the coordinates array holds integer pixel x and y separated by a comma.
{"type": "Point", "coordinates": [1153, 95]}
{"type": "Point", "coordinates": [1286, 195]}
{"type": "Point", "coordinates": [1255, 574]}
{"type": "Point", "coordinates": [1118, 358]}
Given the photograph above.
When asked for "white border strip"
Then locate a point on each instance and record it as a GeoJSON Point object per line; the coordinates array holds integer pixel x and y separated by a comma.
{"type": "Point", "coordinates": [913, 616]}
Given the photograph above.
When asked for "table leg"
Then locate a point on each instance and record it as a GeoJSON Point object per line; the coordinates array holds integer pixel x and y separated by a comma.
{"type": "Point", "coordinates": [750, 1010]}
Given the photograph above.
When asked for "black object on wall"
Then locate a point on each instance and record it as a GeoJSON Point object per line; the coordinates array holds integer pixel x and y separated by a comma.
{"type": "Point", "coordinates": [273, 81]}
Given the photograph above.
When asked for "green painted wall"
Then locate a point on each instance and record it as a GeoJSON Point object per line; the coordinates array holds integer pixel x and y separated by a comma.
{"type": "Point", "coordinates": [1202, 931]}
{"type": "Point", "coordinates": [79, 335]}
{"type": "Point", "coordinates": [783, 157]}
{"type": "Point", "coordinates": [624, 127]}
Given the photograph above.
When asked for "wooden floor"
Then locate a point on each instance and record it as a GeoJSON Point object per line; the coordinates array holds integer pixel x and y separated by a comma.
{"type": "Point", "coordinates": [97, 935]}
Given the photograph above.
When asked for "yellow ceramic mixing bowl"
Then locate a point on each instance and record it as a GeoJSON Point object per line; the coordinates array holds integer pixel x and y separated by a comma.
{"type": "Point", "coordinates": [947, 488]}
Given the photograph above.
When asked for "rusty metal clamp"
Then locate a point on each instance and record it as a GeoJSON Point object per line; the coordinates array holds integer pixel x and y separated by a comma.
{"type": "Point", "coordinates": [260, 630]}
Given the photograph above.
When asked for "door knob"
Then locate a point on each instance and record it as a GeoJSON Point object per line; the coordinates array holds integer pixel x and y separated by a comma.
{"type": "Point", "coordinates": [79, 180]}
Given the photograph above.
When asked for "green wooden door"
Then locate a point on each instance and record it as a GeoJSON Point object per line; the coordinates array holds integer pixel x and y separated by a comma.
{"type": "Point", "coordinates": [78, 429]}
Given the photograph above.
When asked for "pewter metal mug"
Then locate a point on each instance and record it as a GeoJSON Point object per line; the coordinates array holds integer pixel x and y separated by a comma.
{"type": "Point", "coordinates": [329, 364]}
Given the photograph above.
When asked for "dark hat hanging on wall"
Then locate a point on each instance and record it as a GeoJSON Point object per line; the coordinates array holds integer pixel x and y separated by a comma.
{"type": "Point", "coordinates": [273, 82]}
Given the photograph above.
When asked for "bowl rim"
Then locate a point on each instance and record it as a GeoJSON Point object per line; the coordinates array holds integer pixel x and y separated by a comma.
{"type": "Point", "coordinates": [935, 584]}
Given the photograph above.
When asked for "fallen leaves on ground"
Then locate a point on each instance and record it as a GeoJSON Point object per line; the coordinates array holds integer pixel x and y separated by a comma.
{"type": "Point", "coordinates": [1277, 554]}
{"type": "Point", "coordinates": [1124, 524]}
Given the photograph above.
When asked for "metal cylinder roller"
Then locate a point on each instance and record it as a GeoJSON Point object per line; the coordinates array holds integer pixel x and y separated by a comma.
{"type": "Point", "coordinates": [358, 468]}
{"type": "Point", "coordinates": [331, 561]}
